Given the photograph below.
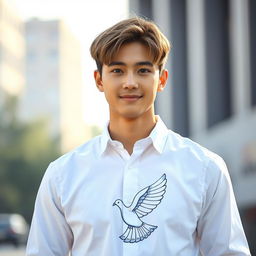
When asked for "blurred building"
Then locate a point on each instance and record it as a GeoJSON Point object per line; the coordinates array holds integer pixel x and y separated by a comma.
{"type": "Point", "coordinates": [54, 80]}
{"type": "Point", "coordinates": [12, 52]}
{"type": "Point", "coordinates": [211, 95]}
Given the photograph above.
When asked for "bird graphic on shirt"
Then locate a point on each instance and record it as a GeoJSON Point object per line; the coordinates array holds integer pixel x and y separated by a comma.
{"type": "Point", "coordinates": [144, 202]}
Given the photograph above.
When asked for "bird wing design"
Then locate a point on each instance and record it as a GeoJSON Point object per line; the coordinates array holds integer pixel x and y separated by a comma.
{"type": "Point", "coordinates": [147, 199]}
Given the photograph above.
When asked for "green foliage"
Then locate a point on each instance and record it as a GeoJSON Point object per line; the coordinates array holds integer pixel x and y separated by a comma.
{"type": "Point", "coordinates": [95, 130]}
{"type": "Point", "coordinates": [26, 149]}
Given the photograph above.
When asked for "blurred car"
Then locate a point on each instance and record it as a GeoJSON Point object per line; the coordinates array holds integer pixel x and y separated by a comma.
{"type": "Point", "coordinates": [13, 229]}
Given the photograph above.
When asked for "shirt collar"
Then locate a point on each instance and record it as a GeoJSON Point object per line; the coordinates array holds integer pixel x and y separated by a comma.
{"type": "Point", "coordinates": [104, 139]}
{"type": "Point", "coordinates": [158, 136]}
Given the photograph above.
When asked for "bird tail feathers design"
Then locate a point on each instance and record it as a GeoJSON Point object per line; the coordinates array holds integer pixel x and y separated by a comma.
{"type": "Point", "coordinates": [136, 234]}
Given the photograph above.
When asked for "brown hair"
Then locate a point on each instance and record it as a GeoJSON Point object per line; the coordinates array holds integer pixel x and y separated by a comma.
{"type": "Point", "coordinates": [135, 29]}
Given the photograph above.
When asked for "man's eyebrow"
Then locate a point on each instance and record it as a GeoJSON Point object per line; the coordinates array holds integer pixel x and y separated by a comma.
{"type": "Point", "coordinates": [144, 63]}
{"type": "Point", "coordinates": [116, 63]}
{"type": "Point", "coordinates": [141, 63]}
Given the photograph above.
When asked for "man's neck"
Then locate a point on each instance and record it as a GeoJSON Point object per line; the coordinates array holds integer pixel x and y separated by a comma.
{"type": "Point", "coordinates": [128, 131]}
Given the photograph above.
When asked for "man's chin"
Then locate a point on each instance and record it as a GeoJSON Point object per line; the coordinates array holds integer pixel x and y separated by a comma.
{"type": "Point", "coordinates": [131, 115]}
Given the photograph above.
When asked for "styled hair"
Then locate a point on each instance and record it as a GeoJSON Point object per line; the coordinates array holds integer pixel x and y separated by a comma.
{"type": "Point", "coordinates": [137, 29]}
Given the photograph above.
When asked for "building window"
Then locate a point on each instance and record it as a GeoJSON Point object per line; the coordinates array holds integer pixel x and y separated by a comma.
{"type": "Point", "coordinates": [53, 54]}
{"type": "Point", "coordinates": [252, 13]}
{"type": "Point", "coordinates": [145, 8]}
{"type": "Point", "coordinates": [217, 61]}
{"type": "Point", "coordinates": [179, 67]}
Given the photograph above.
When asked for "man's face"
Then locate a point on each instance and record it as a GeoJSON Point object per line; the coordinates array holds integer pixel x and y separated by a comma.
{"type": "Point", "coordinates": [130, 82]}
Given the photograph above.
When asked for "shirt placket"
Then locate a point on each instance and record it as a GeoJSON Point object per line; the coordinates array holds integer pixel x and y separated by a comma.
{"type": "Point", "coordinates": [130, 189]}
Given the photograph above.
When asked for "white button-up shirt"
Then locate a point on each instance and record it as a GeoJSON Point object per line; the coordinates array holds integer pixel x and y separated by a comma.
{"type": "Point", "coordinates": [170, 197]}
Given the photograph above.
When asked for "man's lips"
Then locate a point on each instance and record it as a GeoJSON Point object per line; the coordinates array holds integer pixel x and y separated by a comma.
{"type": "Point", "coordinates": [129, 97]}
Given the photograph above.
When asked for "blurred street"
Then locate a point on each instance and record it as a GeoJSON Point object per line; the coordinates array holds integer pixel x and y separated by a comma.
{"type": "Point", "coordinates": [9, 250]}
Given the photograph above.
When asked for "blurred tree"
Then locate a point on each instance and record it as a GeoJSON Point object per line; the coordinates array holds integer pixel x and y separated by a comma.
{"type": "Point", "coordinates": [95, 130]}
{"type": "Point", "coordinates": [25, 151]}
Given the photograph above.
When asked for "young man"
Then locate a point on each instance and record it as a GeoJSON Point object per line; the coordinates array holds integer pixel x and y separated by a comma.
{"type": "Point", "coordinates": [138, 189]}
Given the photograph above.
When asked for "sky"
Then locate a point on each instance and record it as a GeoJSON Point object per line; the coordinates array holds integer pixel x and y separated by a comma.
{"type": "Point", "coordinates": [86, 19]}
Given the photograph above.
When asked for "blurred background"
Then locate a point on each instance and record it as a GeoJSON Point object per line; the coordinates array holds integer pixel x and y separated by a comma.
{"type": "Point", "coordinates": [49, 103]}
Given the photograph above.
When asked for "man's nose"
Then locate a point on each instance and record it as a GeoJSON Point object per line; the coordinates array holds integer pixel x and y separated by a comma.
{"type": "Point", "coordinates": [130, 82]}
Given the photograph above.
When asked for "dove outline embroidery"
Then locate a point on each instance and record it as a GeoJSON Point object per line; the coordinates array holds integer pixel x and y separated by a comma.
{"type": "Point", "coordinates": [144, 202]}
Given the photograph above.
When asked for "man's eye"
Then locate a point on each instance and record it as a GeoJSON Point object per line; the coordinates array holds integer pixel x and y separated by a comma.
{"type": "Point", "coordinates": [144, 70]}
{"type": "Point", "coordinates": [117, 71]}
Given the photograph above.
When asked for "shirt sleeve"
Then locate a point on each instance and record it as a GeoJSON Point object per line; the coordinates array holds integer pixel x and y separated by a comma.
{"type": "Point", "coordinates": [219, 227]}
{"type": "Point", "coordinates": [49, 234]}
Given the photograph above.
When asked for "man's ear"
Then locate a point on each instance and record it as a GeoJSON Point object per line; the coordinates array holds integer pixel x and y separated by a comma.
{"type": "Point", "coordinates": [162, 80]}
{"type": "Point", "coordinates": [98, 80]}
